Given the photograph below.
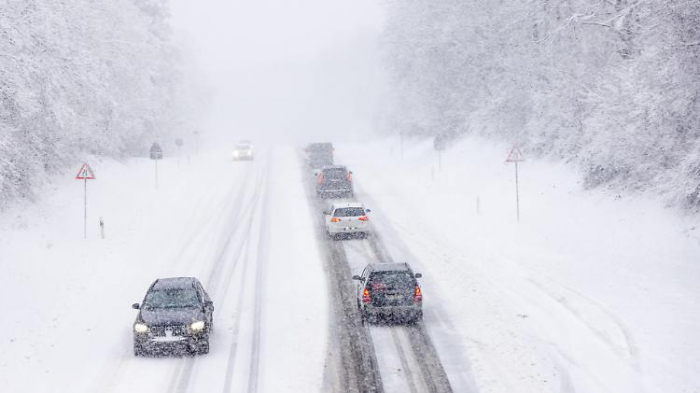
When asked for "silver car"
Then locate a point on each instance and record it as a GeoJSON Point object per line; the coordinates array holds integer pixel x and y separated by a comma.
{"type": "Point", "coordinates": [347, 219]}
{"type": "Point", "coordinates": [243, 151]}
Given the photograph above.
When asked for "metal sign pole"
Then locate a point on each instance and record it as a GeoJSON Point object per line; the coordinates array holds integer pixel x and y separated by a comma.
{"type": "Point", "coordinates": [85, 210]}
{"type": "Point", "coordinates": [517, 193]}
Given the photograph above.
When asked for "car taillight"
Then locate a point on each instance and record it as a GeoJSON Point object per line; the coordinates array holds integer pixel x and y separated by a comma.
{"type": "Point", "coordinates": [348, 177]}
{"type": "Point", "coordinates": [364, 218]}
{"type": "Point", "coordinates": [419, 294]}
{"type": "Point", "coordinates": [321, 178]}
{"type": "Point", "coordinates": [335, 219]}
{"type": "Point", "coordinates": [365, 296]}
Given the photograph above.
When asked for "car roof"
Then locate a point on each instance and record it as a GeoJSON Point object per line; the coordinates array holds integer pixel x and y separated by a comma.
{"type": "Point", "coordinates": [334, 167]}
{"type": "Point", "coordinates": [340, 205]}
{"type": "Point", "coordinates": [390, 267]}
{"type": "Point", "coordinates": [174, 283]}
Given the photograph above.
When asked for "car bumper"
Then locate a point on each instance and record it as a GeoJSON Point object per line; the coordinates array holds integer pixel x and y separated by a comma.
{"type": "Point", "coordinates": [159, 345]}
{"type": "Point", "coordinates": [394, 313]}
{"type": "Point", "coordinates": [336, 193]}
{"type": "Point", "coordinates": [337, 229]}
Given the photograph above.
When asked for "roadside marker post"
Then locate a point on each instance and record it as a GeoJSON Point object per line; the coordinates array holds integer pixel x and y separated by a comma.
{"type": "Point", "coordinates": [179, 142]}
{"type": "Point", "coordinates": [515, 156]}
{"type": "Point", "coordinates": [439, 145]}
{"type": "Point", "coordinates": [85, 173]}
{"type": "Point", "coordinates": [156, 154]}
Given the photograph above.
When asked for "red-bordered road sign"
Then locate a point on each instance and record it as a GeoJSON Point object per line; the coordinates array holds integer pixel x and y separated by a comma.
{"type": "Point", "coordinates": [85, 173]}
{"type": "Point", "coordinates": [515, 155]}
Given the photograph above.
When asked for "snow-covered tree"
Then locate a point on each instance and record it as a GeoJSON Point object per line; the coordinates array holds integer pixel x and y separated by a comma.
{"type": "Point", "coordinates": [609, 85]}
{"type": "Point", "coordinates": [81, 77]}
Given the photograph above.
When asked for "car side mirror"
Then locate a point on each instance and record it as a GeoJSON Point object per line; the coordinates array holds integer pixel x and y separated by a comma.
{"type": "Point", "coordinates": [350, 172]}
{"type": "Point", "coordinates": [368, 210]}
{"type": "Point", "coordinates": [209, 304]}
{"type": "Point", "coordinates": [356, 277]}
{"type": "Point", "coordinates": [417, 275]}
{"type": "Point", "coordinates": [136, 306]}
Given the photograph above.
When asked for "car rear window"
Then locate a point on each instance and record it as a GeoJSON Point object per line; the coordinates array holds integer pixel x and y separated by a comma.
{"type": "Point", "coordinates": [391, 280]}
{"type": "Point", "coordinates": [171, 298]}
{"type": "Point", "coordinates": [349, 212]}
{"type": "Point", "coordinates": [335, 174]}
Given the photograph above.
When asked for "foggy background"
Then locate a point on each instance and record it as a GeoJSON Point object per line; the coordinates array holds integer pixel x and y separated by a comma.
{"type": "Point", "coordinates": [282, 71]}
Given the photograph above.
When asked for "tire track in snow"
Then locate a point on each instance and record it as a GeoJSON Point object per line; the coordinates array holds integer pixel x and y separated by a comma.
{"type": "Point", "coordinates": [354, 359]}
{"type": "Point", "coordinates": [111, 375]}
{"type": "Point", "coordinates": [262, 256]}
{"type": "Point", "coordinates": [238, 214]}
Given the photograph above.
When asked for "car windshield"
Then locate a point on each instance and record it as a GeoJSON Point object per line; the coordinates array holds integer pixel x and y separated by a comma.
{"type": "Point", "coordinates": [391, 280]}
{"type": "Point", "coordinates": [171, 298]}
{"type": "Point", "coordinates": [349, 212]}
{"type": "Point", "coordinates": [243, 147]}
{"type": "Point", "coordinates": [335, 174]}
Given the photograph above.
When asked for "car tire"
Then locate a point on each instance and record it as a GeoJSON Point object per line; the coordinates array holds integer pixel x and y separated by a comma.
{"type": "Point", "coordinates": [417, 318]}
{"type": "Point", "coordinates": [139, 350]}
{"type": "Point", "coordinates": [203, 347]}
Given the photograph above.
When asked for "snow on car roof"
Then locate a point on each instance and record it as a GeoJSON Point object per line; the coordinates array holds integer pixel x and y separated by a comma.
{"type": "Point", "coordinates": [390, 267]}
{"type": "Point", "coordinates": [340, 205]}
{"type": "Point", "coordinates": [174, 282]}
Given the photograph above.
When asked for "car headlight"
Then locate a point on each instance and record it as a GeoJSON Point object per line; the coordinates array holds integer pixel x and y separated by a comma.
{"type": "Point", "coordinates": [197, 326]}
{"type": "Point", "coordinates": [140, 327]}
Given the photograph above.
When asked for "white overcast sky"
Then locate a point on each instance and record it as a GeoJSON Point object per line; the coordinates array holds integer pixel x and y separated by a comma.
{"type": "Point", "coordinates": [284, 70]}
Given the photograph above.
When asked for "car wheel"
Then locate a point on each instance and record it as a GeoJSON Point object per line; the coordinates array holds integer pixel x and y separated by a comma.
{"type": "Point", "coordinates": [417, 317]}
{"type": "Point", "coordinates": [203, 347]}
{"type": "Point", "coordinates": [138, 350]}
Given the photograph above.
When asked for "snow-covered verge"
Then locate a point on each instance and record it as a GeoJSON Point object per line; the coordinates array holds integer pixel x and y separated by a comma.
{"type": "Point", "coordinates": [590, 292]}
{"type": "Point", "coordinates": [66, 301]}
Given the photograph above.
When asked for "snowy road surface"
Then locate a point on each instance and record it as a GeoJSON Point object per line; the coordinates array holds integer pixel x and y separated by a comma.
{"type": "Point", "coordinates": [589, 293]}
{"type": "Point", "coordinates": [244, 229]}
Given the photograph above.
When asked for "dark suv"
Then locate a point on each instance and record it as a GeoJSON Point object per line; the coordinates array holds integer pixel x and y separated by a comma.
{"type": "Point", "coordinates": [389, 291]}
{"type": "Point", "coordinates": [175, 317]}
{"type": "Point", "coordinates": [319, 154]}
{"type": "Point", "coordinates": [334, 182]}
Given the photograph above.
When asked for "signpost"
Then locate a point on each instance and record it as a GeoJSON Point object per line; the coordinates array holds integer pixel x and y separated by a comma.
{"type": "Point", "coordinates": [439, 146]}
{"type": "Point", "coordinates": [178, 142]}
{"type": "Point", "coordinates": [156, 154]}
{"type": "Point", "coordinates": [516, 156]}
{"type": "Point", "coordinates": [85, 173]}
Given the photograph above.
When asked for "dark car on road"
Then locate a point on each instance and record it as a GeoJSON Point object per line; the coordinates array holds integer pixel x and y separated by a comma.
{"type": "Point", "coordinates": [389, 292]}
{"type": "Point", "coordinates": [175, 317]}
{"type": "Point", "coordinates": [334, 182]}
{"type": "Point", "coordinates": [319, 155]}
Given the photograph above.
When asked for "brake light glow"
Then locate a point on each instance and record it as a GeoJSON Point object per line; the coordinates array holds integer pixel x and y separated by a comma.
{"type": "Point", "coordinates": [335, 219]}
{"type": "Point", "coordinates": [321, 178]}
{"type": "Point", "coordinates": [348, 177]}
{"type": "Point", "coordinates": [365, 296]}
{"type": "Point", "coordinates": [364, 218]}
{"type": "Point", "coordinates": [419, 294]}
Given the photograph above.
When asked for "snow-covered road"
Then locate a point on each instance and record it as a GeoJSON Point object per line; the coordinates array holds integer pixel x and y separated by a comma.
{"type": "Point", "coordinates": [589, 293]}
{"type": "Point", "coordinates": [243, 228]}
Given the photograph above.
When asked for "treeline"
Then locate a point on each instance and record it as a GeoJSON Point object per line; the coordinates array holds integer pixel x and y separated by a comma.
{"type": "Point", "coordinates": [80, 77]}
{"type": "Point", "coordinates": [612, 86]}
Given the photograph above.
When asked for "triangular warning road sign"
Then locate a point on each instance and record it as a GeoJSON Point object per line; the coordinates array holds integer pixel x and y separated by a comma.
{"type": "Point", "coordinates": [85, 173]}
{"type": "Point", "coordinates": [515, 155]}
